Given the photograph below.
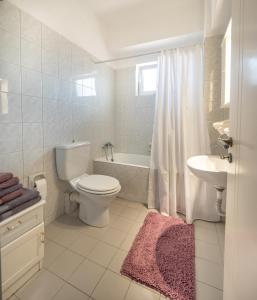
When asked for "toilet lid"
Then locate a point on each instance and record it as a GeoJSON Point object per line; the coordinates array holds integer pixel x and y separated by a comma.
{"type": "Point", "coordinates": [98, 183]}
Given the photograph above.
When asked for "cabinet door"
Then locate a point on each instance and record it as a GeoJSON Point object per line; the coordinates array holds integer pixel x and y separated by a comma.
{"type": "Point", "coordinates": [21, 255]}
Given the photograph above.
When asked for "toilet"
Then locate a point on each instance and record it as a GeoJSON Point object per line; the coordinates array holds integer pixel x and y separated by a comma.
{"type": "Point", "coordinates": [95, 191]}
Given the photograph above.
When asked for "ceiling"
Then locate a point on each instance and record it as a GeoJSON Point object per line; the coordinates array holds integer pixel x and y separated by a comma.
{"type": "Point", "coordinates": [111, 28]}
{"type": "Point", "coordinates": [101, 7]}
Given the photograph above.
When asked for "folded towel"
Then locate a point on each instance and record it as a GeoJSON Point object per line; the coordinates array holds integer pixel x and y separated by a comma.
{"type": "Point", "coordinates": [18, 208]}
{"type": "Point", "coordinates": [26, 196]}
{"type": "Point", "coordinates": [5, 176]}
{"type": "Point", "coordinates": [10, 190]}
{"type": "Point", "coordinates": [11, 196]}
{"type": "Point", "coordinates": [9, 183]}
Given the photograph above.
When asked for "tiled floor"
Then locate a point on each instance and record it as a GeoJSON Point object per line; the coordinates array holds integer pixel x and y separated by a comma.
{"type": "Point", "coordinates": [83, 262]}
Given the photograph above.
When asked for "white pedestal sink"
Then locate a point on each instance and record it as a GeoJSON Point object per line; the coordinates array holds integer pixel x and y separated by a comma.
{"type": "Point", "coordinates": [212, 169]}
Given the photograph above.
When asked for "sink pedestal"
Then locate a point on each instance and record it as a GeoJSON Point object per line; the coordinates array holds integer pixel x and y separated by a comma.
{"type": "Point", "coordinates": [219, 193]}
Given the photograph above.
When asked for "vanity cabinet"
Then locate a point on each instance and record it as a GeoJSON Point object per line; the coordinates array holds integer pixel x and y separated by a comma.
{"type": "Point", "coordinates": [22, 247]}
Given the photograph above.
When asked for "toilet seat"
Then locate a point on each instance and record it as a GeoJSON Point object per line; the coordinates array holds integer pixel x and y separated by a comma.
{"type": "Point", "coordinates": [98, 184]}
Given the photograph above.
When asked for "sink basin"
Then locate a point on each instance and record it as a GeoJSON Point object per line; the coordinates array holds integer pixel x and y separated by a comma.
{"type": "Point", "coordinates": [209, 168]}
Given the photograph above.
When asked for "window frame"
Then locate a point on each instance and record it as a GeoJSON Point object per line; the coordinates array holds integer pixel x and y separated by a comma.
{"type": "Point", "coordinates": [139, 78]}
{"type": "Point", "coordinates": [226, 66]}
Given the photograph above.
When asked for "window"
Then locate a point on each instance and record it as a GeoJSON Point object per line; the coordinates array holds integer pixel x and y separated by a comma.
{"type": "Point", "coordinates": [146, 78]}
{"type": "Point", "coordinates": [226, 67]}
{"type": "Point", "coordinates": [85, 87]}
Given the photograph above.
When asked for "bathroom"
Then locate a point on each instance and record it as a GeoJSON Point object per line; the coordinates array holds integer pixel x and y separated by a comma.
{"type": "Point", "coordinates": [124, 125]}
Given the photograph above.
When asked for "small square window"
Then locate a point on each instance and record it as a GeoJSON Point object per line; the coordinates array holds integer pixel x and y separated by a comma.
{"type": "Point", "coordinates": [146, 78]}
{"type": "Point", "coordinates": [86, 86]}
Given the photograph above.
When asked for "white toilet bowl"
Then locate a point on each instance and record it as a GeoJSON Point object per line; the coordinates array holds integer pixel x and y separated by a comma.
{"type": "Point", "coordinates": [95, 195]}
{"type": "Point", "coordinates": [95, 191]}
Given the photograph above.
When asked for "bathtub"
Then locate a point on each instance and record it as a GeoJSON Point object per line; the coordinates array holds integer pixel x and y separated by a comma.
{"type": "Point", "coordinates": [132, 170]}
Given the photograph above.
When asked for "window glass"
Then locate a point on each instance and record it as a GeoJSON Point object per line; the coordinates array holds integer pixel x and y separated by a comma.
{"type": "Point", "coordinates": [146, 78]}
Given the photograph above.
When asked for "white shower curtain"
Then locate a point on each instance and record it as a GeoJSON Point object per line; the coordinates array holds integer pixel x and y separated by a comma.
{"type": "Point", "coordinates": [180, 131]}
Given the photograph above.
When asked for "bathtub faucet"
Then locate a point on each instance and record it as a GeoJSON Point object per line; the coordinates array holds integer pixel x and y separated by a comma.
{"type": "Point", "coordinates": [106, 147]}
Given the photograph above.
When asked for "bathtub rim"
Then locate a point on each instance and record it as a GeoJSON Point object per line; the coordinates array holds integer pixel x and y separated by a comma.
{"type": "Point", "coordinates": [102, 159]}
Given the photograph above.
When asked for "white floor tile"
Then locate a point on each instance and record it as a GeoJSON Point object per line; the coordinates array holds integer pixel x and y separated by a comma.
{"type": "Point", "coordinates": [52, 251]}
{"type": "Point", "coordinates": [116, 208]}
{"type": "Point", "coordinates": [139, 292]}
{"type": "Point", "coordinates": [108, 247]}
{"type": "Point", "coordinates": [122, 224]}
{"type": "Point", "coordinates": [84, 245]}
{"type": "Point", "coordinates": [111, 286]}
{"type": "Point", "coordinates": [208, 251]}
{"type": "Point", "coordinates": [66, 236]}
{"type": "Point", "coordinates": [209, 273]}
{"type": "Point", "coordinates": [204, 224]}
{"type": "Point", "coordinates": [135, 228]}
{"type": "Point", "coordinates": [68, 292]}
{"type": "Point", "coordinates": [206, 292]}
{"type": "Point", "coordinates": [13, 297]}
{"type": "Point", "coordinates": [42, 287]}
{"type": "Point", "coordinates": [94, 232]}
{"type": "Point", "coordinates": [66, 264]}
{"type": "Point", "coordinates": [114, 237]}
{"type": "Point", "coordinates": [206, 235]}
{"type": "Point", "coordinates": [87, 276]}
{"type": "Point", "coordinates": [126, 245]}
{"type": "Point", "coordinates": [117, 261]}
{"type": "Point", "coordinates": [130, 213]}
{"type": "Point", "coordinates": [102, 254]}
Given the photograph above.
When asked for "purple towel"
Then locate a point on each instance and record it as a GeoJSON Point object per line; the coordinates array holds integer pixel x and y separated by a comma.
{"type": "Point", "coordinates": [5, 176]}
{"type": "Point", "coordinates": [10, 190]}
{"type": "Point", "coordinates": [19, 208]}
{"type": "Point", "coordinates": [8, 183]}
{"type": "Point", "coordinates": [25, 197]}
{"type": "Point", "coordinates": [11, 196]}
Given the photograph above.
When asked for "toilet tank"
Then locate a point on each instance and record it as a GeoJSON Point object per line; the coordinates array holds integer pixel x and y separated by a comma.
{"type": "Point", "coordinates": [72, 160]}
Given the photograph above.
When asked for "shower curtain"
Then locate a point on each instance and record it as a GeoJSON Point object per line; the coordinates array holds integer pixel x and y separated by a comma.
{"type": "Point", "coordinates": [180, 131]}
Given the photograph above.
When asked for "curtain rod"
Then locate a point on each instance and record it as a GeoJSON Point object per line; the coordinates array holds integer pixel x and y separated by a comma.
{"type": "Point", "coordinates": [140, 55]}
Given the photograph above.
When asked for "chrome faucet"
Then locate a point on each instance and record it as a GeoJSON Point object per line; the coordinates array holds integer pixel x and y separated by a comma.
{"type": "Point", "coordinates": [225, 142]}
{"type": "Point", "coordinates": [106, 147]}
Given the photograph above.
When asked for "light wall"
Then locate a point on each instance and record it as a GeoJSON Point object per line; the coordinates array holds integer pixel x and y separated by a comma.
{"type": "Point", "coordinates": [152, 20]}
{"type": "Point", "coordinates": [212, 88]}
{"type": "Point", "coordinates": [74, 19]}
{"type": "Point", "coordinates": [133, 114]}
{"type": "Point", "coordinates": [40, 107]}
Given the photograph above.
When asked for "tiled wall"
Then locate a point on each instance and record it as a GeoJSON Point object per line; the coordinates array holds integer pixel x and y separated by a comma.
{"type": "Point", "coordinates": [212, 88]}
{"type": "Point", "coordinates": [133, 114]}
{"type": "Point", "coordinates": [43, 104]}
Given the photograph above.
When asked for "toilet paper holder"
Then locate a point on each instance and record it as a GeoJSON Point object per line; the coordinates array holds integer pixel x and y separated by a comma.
{"type": "Point", "coordinates": [33, 179]}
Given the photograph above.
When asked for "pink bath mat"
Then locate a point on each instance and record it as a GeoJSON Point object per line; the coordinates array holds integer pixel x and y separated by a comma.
{"type": "Point", "coordinates": [162, 257]}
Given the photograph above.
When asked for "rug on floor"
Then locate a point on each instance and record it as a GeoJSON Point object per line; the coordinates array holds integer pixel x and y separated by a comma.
{"type": "Point", "coordinates": [163, 257]}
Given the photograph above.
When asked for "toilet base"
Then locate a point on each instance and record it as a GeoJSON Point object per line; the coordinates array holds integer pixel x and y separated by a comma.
{"type": "Point", "coordinates": [94, 214]}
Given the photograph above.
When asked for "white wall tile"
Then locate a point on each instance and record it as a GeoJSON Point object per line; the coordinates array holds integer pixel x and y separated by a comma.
{"type": "Point", "coordinates": [9, 17]}
{"type": "Point", "coordinates": [10, 77]}
{"type": "Point", "coordinates": [10, 138]}
{"type": "Point", "coordinates": [30, 55]}
{"type": "Point", "coordinates": [10, 47]}
{"type": "Point", "coordinates": [32, 136]}
{"type": "Point", "coordinates": [12, 162]}
{"type": "Point", "coordinates": [31, 29]}
{"type": "Point", "coordinates": [31, 83]}
{"type": "Point", "coordinates": [50, 62]}
{"type": "Point", "coordinates": [10, 107]}
{"type": "Point", "coordinates": [50, 39]}
{"type": "Point", "coordinates": [50, 87]}
{"type": "Point", "coordinates": [32, 109]}
{"type": "Point", "coordinates": [33, 161]}
{"type": "Point", "coordinates": [38, 110]}
{"type": "Point", "coordinates": [133, 115]}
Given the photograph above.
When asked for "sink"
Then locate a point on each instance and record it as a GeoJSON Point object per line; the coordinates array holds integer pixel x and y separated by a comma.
{"type": "Point", "coordinates": [210, 168]}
